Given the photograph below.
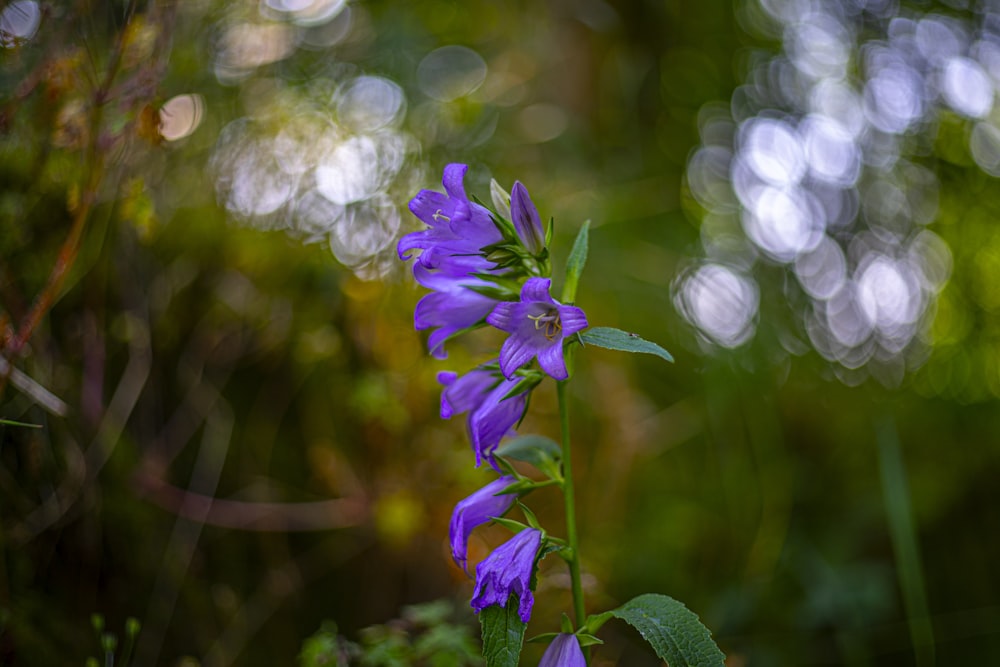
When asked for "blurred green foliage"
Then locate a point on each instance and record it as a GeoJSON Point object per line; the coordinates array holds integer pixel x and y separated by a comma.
{"type": "Point", "coordinates": [239, 426]}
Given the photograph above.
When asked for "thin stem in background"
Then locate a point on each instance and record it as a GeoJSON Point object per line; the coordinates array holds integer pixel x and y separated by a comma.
{"type": "Point", "coordinates": [896, 493]}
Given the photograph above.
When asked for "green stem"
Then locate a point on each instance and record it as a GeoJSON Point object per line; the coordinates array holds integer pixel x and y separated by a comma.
{"type": "Point", "coordinates": [569, 497]}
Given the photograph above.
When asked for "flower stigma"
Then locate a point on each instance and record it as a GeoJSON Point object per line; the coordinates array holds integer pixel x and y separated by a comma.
{"type": "Point", "coordinates": [550, 320]}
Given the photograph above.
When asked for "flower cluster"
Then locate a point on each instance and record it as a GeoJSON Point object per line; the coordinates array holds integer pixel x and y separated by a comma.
{"type": "Point", "coordinates": [491, 268]}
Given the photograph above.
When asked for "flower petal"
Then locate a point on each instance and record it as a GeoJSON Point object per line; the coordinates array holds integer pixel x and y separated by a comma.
{"type": "Point", "coordinates": [515, 352]}
{"type": "Point", "coordinates": [552, 361]}
{"type": "Point", "coordinates": [537, 289]}
{"type": "Point", "coordinates": [475, 510]}
{"type": "Point", "coordinates": [564, 651]}
{"type": "Point", "coordinates": [504, 316]}
{"type": "Point", "coordinates": [508, 571]}
{"type": "Point", "coordinates": [527, 222]}
{"type": "Point", "coordinates": [573, 319]}
{"type": "Point", "coordinates": [454, 175]}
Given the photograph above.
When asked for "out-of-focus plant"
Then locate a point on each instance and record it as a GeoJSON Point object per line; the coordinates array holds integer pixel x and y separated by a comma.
{"type": "Point", "coordinates": [110, 653]}
{"type": "Point", "coordinates": [424, 636]}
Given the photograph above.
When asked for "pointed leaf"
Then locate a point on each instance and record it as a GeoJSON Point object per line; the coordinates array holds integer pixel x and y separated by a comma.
{"type": "Point", "coordinates": [673, 630]}
{"type": "Point", "coordinates": [575, 263]}
{"type": "Point", "coordinates": [11, 422]}
{"type": "Point", "coordinates": [503, 634]}
{"type": "Point", "coordinates": [588, 639]}
{"type": "Point", "coordinates": [616, 339]}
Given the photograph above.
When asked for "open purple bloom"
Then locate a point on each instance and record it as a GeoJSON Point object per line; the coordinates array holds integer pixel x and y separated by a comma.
{"type": "Point", "coordinates": [477, 509]}
{"type": "Point", "coordinates": [527, 222]}
{"type": "Point", "coordinates": [491, 417]}
{"type": "Point", "coordinates": [564, 651]}
{"type": "Point", "coordinates": [508, 571]}
{"type": "Point", "coordinates": [450, 308]}
{"type": "Point", "coordinates": [537, 325]}
{"type": "Point", "coordinates": [458, 228]}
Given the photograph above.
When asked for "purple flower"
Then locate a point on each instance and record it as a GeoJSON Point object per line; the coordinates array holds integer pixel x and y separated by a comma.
{"type": "Point", "coordinates": [458, 228]}
{"type": "Point", "coordinates": [491, 417]}
{"type": "Point", "coordinates": [537, 325]}
{"type": "Point", "coordinates": [508, 571]}
{"type": "Point", "coordinates": [527, 222]}
{"type": "Point", "coordinates": [450, 308]}
{"type": "Point", "coordinates": [477, 509]}
{"type": "Point", "coordinates": [564, 651]}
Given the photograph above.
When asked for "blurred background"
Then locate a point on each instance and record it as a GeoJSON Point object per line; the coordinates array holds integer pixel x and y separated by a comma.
{"type": "Point", "coordinates": [237, 433]}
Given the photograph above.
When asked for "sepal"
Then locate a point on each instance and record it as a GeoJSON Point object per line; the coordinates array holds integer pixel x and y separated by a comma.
{"type": "Point", "coordinates": [586, 639]}
{"type": "Point", "coordinates": [511, 524]}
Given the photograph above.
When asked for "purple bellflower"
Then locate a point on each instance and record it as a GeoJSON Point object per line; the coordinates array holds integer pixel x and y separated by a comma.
{"type": "Point", "coordinates": [450, 308]}
{"type": "Point", "coordinates": [458, 228]}
{"type": "Point", "coordinates": [482, 506]}
{"type": "Point", "coordinates": [527, 222]}
{"type": "Point", "coordinates": [491, 417]}
{"type": "Point", "coordinates": [564, 651]}
{"type": "Point", "coordinates": [508, 571]}
{"type": "Point", "coordinates": [537, 325]}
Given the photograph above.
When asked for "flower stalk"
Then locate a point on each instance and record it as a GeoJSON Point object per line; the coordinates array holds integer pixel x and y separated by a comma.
{"type": "Point", "coordinates": [569, 500]}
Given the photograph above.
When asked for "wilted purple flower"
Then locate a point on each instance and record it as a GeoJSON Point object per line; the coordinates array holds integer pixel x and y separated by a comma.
{"type": "Point", "coordinates": [491, 417]}
{"type": "Point", "coordinates": [452, 307]}
{"type": "Point", "coordinates": [527, 222]}
{"type": "Point", "coordinates": [564, 651]}
{"type": "Point", "coordinates": [537, 325]}
{"type": "Point", "coordinates": [477, 509]}
{"type": "Point", "coordinates": [458, 228]}
{"type": "Point", "coordinates": [508, 571]}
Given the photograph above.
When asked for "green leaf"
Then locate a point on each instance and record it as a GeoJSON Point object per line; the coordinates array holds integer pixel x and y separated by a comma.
{"type": "Point", "coordinates": [539, 451]}
{"type": "Point", "coordinates": [11, 422]}
{"type": "Point", "coordinates": [574, 265]}
{"type": "Point", "coordinates": [673, 630]}
{"type": "Point", "coordinates": [616, 339]}
{"type": "Point", "coordinates": [503, 634]}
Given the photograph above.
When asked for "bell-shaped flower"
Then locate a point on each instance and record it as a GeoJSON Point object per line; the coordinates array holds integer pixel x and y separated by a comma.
{"type": "Point", "coordinates": [527, 222]}
{"type": "Point", "coordinates": [537, 325]}
{"type": "Point", "coordinates": [481, 393]}
{"type": "Point", "coordinates": [564, 651]}
{"type": "Point", "coordinates": [482, 506]}
{"type": "Point", "coordinates": [507, 571]}
{"type": "Point", "coordinates": [452, 307]}
{"type": "Point", "coordinates": [457, 228]}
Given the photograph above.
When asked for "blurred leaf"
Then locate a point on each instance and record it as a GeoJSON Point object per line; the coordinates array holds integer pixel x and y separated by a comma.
{"type": "Point", "coordinates": [541, 452]}
{"type": "Point", "coordinates": [616, 339]}
{"type": "Point", "coordinates": [575, 263]}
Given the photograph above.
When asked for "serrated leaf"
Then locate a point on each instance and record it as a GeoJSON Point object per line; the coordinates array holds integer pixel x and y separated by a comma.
{"type": "Point", "coordinates": [673, 630]}
{"type": "Point", "coordinates": [575, 263]}
{"type": "Point", "coordinates": [616, 339]}
{"type": "Point", "coordinates": [539, 451]}
{"type": "Point", "coordinates": [503, 634]}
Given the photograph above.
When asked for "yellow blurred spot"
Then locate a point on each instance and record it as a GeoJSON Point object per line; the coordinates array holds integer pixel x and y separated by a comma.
{"type": "Point", "coordinates": [398, 517]}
